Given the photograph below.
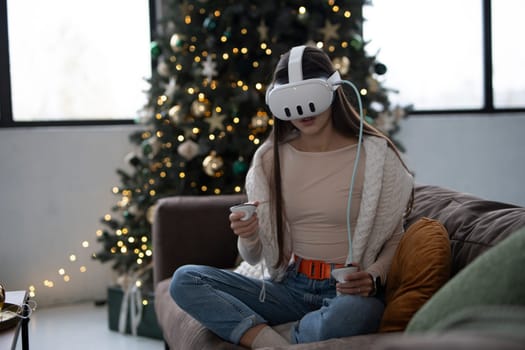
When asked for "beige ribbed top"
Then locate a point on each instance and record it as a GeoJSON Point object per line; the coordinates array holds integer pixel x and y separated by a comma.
{"type": "Point", "coordinates": [315, 192]}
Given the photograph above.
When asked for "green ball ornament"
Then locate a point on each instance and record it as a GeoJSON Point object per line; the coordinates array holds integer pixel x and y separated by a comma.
{"type": "Point", "coordinates": [356, 44]}
{"type": "Point", "coordinates": [240, 167]}
{"type": "Point", "coordinates": [147, 148]}
{"type": "Point", "coordinates": [380, 68]}
{"type": "Point", "coordinates": [155, 49]}
{"type": "Point", "coordinates": [210, 23]}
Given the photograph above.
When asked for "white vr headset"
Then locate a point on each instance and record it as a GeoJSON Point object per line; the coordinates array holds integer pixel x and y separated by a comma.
{"type": "Point", "coordinates": [301, 98]}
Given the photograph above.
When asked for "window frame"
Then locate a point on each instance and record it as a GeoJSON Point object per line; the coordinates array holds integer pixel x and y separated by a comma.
{"type": "Point", "coordinates": [6, 107]}
{"type": "Point", "coordinates": [488, 87]}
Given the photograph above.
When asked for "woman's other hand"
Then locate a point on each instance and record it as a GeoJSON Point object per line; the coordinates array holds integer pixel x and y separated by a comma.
{"type": "Point", "coordinates": [356, 283]}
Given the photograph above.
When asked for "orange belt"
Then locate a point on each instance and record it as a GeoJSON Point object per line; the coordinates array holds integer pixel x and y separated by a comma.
{"type": "Point", "coordinates": [316, 269]}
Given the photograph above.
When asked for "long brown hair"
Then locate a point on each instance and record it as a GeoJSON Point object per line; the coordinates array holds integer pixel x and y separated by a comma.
{"type": "Point", "coordinates": [345, 119]}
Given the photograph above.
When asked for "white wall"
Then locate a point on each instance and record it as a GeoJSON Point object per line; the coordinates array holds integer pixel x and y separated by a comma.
{"type": "Point", "coordinates": [483, 155]}
{"type": "Point", "coordinates": [55, 185]}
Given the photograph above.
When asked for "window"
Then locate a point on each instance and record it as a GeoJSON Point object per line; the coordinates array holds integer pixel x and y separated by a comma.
{"type": "Point", "coordinates": [74, 60]}
{"type": "Point", "coordinates": [450, 55]}
{"type": "Point", "coordinates": [508, 53]}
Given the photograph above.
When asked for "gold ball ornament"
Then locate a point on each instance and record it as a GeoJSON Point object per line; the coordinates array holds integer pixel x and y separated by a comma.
{"type": "Point", "coordinates": [176, 42]}
{"type": "Point", "coordinates": [342, 64]}
{"type": "Point", "coordinates": [259, 122]}
{"type": "Point", "coordinates": [213, 165]}
{"type": "Point", "coordinates": [200, 108]}
{"type": "Point", "coordinates": [175, 115]}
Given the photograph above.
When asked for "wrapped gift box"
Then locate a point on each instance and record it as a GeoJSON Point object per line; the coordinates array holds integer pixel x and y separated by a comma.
{"type": "Point", "coordinates": [148, 326]}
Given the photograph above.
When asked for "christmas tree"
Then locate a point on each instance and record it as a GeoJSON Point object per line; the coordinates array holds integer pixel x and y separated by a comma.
{"type": "Point", "coordinates": [206, 113]}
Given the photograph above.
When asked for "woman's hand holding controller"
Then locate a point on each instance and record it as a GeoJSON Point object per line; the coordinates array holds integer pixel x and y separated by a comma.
{"type": "Point", "coordinates": [357, 282]}
{"type": "Point", "coordinates": [243, 219]}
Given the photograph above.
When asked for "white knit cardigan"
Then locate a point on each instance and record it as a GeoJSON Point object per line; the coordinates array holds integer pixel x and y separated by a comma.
{"type": "Point", "coordinates": [386, 192]}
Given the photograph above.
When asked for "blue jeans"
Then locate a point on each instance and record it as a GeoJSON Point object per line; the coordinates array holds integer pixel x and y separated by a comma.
{"type": "Point", "coordinates": [228, 304]}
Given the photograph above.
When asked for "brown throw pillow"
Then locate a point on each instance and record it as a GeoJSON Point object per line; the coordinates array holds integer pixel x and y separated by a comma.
{"type": "Point", "coordinates": [419, 268]}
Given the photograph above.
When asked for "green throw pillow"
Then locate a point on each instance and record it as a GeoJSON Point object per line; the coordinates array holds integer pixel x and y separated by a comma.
{"type": "Point", "coordinates": [494, 278]}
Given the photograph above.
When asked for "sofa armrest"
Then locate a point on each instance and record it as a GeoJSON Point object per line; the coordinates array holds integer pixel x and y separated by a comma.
{"type": "Point", "coordinates": [193, 230]}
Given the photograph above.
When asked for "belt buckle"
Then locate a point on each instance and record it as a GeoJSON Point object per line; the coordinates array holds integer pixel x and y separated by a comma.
{"type": "Point", "coordinates": [319, 270]}
{"type": "Point", "coordinates": [315, 271]}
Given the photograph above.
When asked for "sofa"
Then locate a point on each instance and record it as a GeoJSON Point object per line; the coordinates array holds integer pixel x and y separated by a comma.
{"type": "Point", "coordinates": [195, 230]}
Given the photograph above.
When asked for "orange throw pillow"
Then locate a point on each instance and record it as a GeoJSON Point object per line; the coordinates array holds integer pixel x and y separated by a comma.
{"type": "Point", "coordinates": [419, 268]}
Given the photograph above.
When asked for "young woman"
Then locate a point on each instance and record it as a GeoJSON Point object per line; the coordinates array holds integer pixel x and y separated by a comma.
{"type": "Point", "coordinates": [300, 179]}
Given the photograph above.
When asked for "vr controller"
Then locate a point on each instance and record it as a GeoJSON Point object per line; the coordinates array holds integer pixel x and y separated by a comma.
{"type": "Point", "coordinates": [246, 208]}
{"type": "Point", "coordinates": [301, 98]}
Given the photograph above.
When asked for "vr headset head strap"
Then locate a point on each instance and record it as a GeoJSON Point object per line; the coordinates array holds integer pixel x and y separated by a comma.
{"type": "Point", "coordinates": [295, 64]}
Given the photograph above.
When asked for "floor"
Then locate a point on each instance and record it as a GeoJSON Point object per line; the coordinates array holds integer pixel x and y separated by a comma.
{"type": "Point", "coordinates": [80, 327]}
